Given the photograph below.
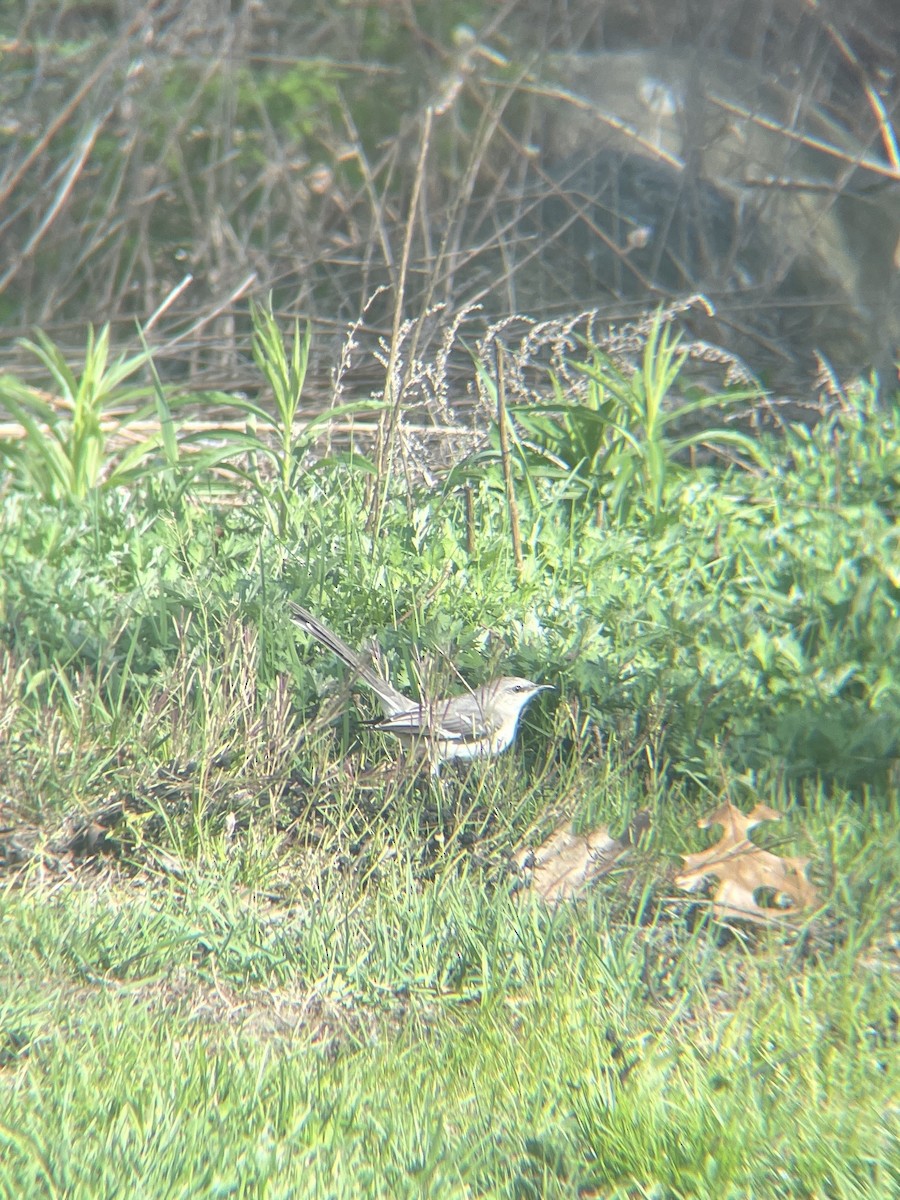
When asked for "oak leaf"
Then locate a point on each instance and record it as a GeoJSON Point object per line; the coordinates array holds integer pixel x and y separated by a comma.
{"type": "Point", "coordinates": [567, 863]}
{"type": "Point", "coordinates": [747, 874]}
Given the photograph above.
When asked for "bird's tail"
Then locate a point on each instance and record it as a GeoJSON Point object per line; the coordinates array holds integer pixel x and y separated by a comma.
{"type": "Point", "coordinates": [392, 701]}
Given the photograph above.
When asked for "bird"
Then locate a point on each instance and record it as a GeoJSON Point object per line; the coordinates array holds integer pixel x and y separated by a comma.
{"type": "Point", "coordinates": [475, 724]}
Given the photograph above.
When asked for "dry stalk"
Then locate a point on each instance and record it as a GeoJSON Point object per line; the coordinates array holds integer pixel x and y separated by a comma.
{"type": "Point", "coordinates": [393, 388]}
{"type": "Point", "coordinates": [503, 427]}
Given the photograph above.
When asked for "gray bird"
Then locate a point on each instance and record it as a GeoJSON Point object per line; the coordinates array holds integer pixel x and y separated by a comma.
{"type": "Point", "coordinates": [480, 723]}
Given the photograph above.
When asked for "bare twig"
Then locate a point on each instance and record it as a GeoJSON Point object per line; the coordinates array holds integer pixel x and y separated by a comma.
{"type": "Point", "coordinates": [502, 424]}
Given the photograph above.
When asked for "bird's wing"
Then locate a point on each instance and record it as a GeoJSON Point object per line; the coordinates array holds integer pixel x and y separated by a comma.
{"type": "Point", "coordinates": [452, 725]}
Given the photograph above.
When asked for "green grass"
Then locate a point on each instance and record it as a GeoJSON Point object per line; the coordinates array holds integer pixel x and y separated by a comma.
{"type": "Point", "coordinates": [244, 952]}
{"type": "Point", "coordinates": [360, 1031]}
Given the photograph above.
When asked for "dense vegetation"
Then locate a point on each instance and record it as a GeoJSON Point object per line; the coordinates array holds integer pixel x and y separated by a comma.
{"type": "Point", "coordinates": [244, 952]}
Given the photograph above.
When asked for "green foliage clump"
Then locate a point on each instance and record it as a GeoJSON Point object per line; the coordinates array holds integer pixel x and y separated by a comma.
{"type": "Point", "coordinates": [65, 446]}
{"type": "Point", "coordinates": [618, 442]}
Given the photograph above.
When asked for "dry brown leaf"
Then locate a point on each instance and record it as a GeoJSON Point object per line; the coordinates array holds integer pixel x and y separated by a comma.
{"type": "Point", "coordinates": [568, 862]}
{"type": "Point", "coordinates": [744, 870]}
